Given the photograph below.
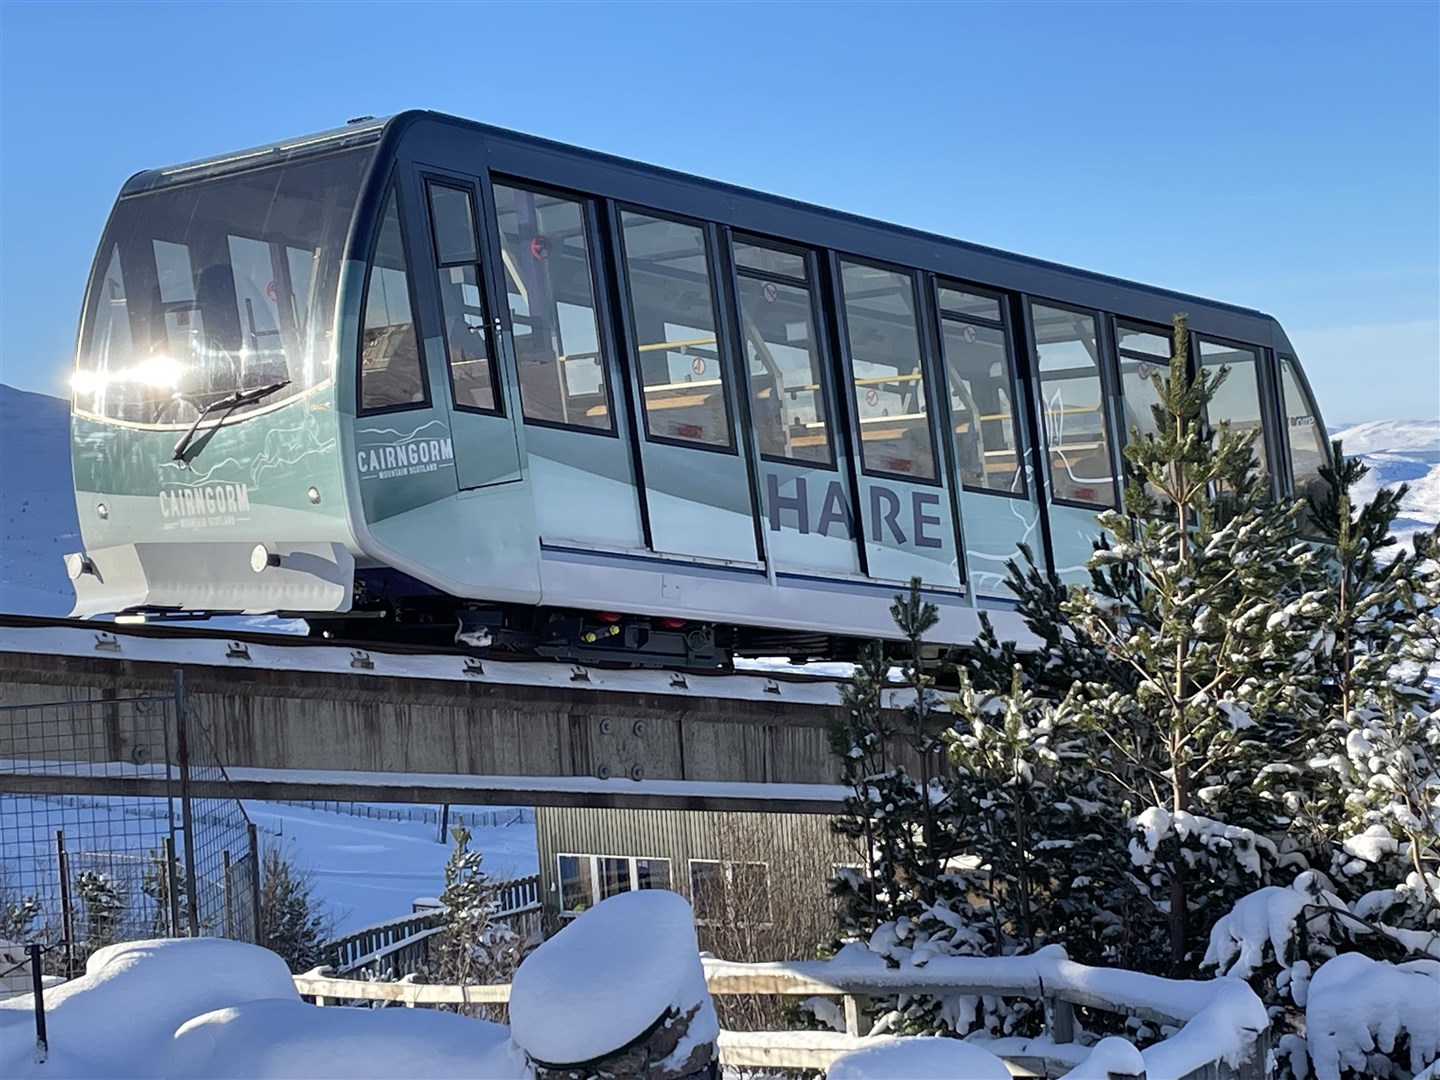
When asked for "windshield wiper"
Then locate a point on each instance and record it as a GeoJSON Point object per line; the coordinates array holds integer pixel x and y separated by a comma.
{"type": "Point", "coordinates": [229, 404]}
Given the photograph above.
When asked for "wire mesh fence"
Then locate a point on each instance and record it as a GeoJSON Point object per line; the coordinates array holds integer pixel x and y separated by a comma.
{"type": "Point", "coordinates": [102, 838]}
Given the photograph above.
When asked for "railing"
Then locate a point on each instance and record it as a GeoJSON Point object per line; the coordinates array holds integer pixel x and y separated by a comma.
{"type": "Point", "coordinates": [381, 940]}
{"type": "Point", "coordinates": [518, 895]}
{"type": "Point", "coordinates": [403, 943]}
{"type": "Point", "coordinates": [425, 815]}
{"type": "Point", "coordinates": [1223, 1029]}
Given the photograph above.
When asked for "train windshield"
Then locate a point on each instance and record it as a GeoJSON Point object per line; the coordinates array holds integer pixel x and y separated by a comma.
{"type": "Point", "coordinates": [217, 288]}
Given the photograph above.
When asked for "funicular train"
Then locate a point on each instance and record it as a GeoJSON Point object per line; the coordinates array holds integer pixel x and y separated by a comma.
{"type": "Point", "coordinates": [421, 378]}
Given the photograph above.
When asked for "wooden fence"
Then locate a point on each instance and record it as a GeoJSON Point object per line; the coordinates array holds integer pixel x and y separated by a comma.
{"type": "Point", "coordinates": [1205, 1018]}
{"type": "Point", "coordinates": [402, 944]}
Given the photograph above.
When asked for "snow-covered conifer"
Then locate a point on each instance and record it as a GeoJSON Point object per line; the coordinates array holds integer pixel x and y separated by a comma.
{"type": "Point", "coordinates": [474, 947]}
{"type": "Point", "coordinates": [293, 924]}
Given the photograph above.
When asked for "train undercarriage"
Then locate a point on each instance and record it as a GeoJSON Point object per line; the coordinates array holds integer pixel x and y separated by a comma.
{"type": "Point", "coordinates": [395, 609]}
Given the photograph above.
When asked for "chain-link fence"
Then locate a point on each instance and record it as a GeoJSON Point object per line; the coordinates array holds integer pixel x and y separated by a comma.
{"type": "Point", "coordinates": [105, 835]}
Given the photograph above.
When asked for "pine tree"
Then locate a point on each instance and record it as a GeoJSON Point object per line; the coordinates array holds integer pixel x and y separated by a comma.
{"type": "Point", "coordinates": [155, 882]}
{"type": "Point", "coordinates": [1365, 787]}
{"type": "Point", "coordinates": [105, 905]}
{"type": "Point", "coordinates": [1375, 784]}
{"type": "Point", "coordinates": [473, 947]}
{"type": "Point", "coordinates": [292, 922]}
{"type": "Point", "coordinates": [17, 917]}
{"type": "Point", "coordinates": [897, 809]}
{"type": "Point", "coordinates": [1382, 611]}
{"type": "Point", "coordinates": [1207, 594]}
{"type": "Point", "coordinates": [1046, 863]}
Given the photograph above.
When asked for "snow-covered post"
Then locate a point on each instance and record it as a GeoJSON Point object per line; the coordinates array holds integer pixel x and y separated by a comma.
{"type": "Point", "coordinates": [618, 992]}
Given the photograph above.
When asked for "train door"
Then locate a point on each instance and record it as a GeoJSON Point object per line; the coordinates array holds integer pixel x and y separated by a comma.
{"type": "Point", "coordinates": [696, 481]}
{"type": "Point", "coordinates": [469, 342]}
{"type": "Point", "coordinates": [581, 469]}
{"type": "Point", "coordinates": [998, 498]}
{"type": "Point", "coordinates": [806, 494]}
{"type": "Point", "coordinates": [904, 511]}
{"type": "Point", "coordinates": [1073, 390]}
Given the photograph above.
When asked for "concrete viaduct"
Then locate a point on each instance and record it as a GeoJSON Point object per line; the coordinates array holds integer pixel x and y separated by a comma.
{"type": "Point", "coordinates": [291, 719]}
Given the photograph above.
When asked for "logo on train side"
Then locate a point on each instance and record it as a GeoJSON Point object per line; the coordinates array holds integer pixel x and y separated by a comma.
{"type": "Point", "coordinates": [397, 453]}
{"type": "Point", "coordinates": [197, 506]}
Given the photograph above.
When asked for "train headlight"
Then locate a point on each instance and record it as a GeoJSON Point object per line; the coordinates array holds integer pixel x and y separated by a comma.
{"type": "Point", "coordinates": [77, 564]}
{"type": "Point", "coordinates": [261, 557]}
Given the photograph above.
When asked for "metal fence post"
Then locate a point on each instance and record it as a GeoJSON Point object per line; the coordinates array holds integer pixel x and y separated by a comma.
{"type": "Point", "coordinates": [225, 893]}
{"type": "Point", "coordinates": [172, 885]}
{"type": "Point", "coordinates": [37, 984]}
{"type": "Point", "coordinates": [67, 916]}
{"type": "Point", "coordinates": [259, 934]}
{"type": "Point", "coordinates": [182, 744]}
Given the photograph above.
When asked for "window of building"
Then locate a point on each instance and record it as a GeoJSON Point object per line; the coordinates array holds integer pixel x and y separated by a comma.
{"type": "Point", "coordinates": [1237, 401]}
{"type": "Point", "coordinates": [980, 378]}
{"type": "Point", "coordinates": [667, 265]}
{"type": "Point", "coordinates": [786, 371]}
{"type": "Point", "coordinates": [585, 880]}
{"type": "Point", "coordinates": [1072, 400]}
{"type": "Point", "coordinates": [390, 370]}
{"type": "Point", "coordinates": [733, 893]}
{"type": "Point", "coordinates": [467, 333]}
{"type": "Point", "coordinates": [577, 884]}
{"type": "Point", "coordinates": [545, 248]}
{"type": "Point", "coordinates": [889, 377]}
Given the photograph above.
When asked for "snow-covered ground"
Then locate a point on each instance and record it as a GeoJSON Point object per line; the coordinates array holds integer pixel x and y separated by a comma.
{"type": "Point", "coordinates": [369, 871]}
{"type": "Point", "coordinates": [1399, 452]}
{"type": "Point", "coordinates": [364, 871]}
{"type": "Point", "coordinates": [624, 984]}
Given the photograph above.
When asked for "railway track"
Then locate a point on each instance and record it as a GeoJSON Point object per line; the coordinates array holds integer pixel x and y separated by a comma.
{"type": "Point", "coordinates": [229, 646]}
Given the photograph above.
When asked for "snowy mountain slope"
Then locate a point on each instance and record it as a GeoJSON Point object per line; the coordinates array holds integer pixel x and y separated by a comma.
{"type": "Point", "coordinates": [1399, 452]}
{"type": "Point", "coordinates": [38, 523]}
{"type": "Point", "coordinates": [37, 510]}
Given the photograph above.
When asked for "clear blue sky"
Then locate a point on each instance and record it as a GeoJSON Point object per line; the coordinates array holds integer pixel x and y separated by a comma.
{"type": "Point", "coordinates": [1283, 156]}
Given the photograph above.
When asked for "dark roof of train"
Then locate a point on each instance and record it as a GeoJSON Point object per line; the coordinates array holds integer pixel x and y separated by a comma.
{"type": "Point", "coordinates": [370, 130]}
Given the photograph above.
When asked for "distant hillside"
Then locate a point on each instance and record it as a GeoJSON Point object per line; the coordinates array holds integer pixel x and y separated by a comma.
{"type": "Point", "coordinates": [38, 524]}
{"type": "Point", "coordinates": [1400, 452]}
{"type": "Point", "coordinates": [37, 509]}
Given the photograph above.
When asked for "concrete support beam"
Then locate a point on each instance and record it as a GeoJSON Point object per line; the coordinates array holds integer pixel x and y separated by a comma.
{"type": "Point", "coordinates": [454, 740]}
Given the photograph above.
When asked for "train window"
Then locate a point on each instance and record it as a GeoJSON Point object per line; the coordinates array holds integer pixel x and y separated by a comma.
{"type": "Point", "coordinates": [205, 289]}
{"type": "Point", "coordinates": [1308, 447]}
{"type": "Point", "coordinates": [467, 335]}
{"type": "Point", "coordinates": [778, 326]}
{"type": "Point", "coordinates": [390, 370]}
{"type": "Point", "coordinates": [1072, 400]}
{"type": "Point", "coordinates": [1144, 355]}
{"type": "Point", "coordinates": [959, 302]}
{"type": "Point", "coordinates": [980, 377]}
{"type": "Point", "coordinates": [889, 379]}
{"type": "Point", "coordinates": [454, 225]}
{"type": "Point", "coordinates": [750, 255]}
{"type": "Point", "coordinates": [667, 265]}
{"type": "Point", "coordinates": [546, 252]}
{"type": "Point", "coordinates": [1237, 401]}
